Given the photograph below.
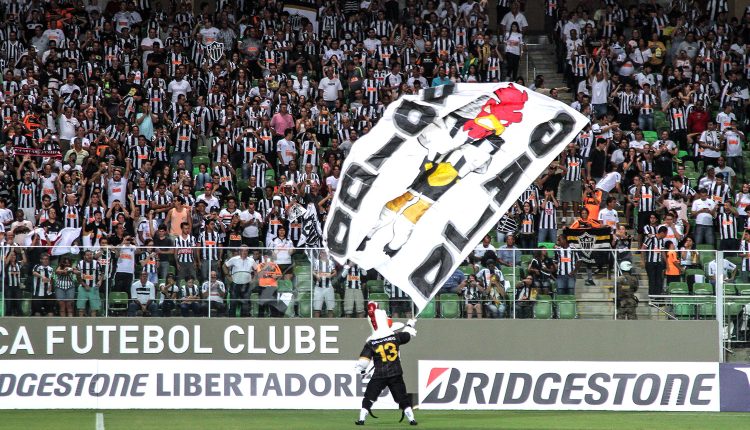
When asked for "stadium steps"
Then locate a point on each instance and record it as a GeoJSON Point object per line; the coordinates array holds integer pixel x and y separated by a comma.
{"type": "Point", "coordinates": [542, 59]}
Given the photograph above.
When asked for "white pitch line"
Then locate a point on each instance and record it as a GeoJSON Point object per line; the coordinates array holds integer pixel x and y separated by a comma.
{"type": "Point", "coordinates": [99, 421]}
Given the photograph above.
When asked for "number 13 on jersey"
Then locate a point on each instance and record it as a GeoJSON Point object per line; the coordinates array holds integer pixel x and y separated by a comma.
{"type": "Point", "coordinates": [388, 352]}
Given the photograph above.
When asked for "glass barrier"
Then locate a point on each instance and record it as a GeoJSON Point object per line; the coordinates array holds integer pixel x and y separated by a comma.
{"type": "Point", "coordinates": [590, 281]}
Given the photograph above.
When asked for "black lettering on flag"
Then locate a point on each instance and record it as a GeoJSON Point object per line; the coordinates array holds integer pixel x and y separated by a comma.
{"type": "Point", "coordinates": [378, 158]}
{"type": "Point", "coordinates": [500, 185]}
{"type": "Point", "coordinates": [458, 239]}
{"type": "Point", "coordinates": [437, 95]}
{"type": "Point", "coordinates": [350, 197]}
{"type": "Point", "coordinates": [402, 118]}
{"type": "Point", "coordinates": [547, 135]}
{"type": "Point", "coordinates": [439, 259]}
{"type": "Point", "coordinates": [339, 226]}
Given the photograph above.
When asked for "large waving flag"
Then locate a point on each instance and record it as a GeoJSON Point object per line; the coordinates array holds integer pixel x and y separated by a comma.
{"type": "Point", "coordinates": [438, 171]}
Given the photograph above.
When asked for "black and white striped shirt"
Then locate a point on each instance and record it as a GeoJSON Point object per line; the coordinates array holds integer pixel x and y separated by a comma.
{"type": "Point", "coordinates": [547, 218]}
{"type": "Point", "coordinates": [745, 249]}
{"type": "Point", "coordinates": [677, 118]}
{"type": "Point", "coordinates": [90, 272]}
{"type": "Point", "coordinates": [566, 260]}
{"type": "Point", "coordinates": [184, 138]}
{"type": "Point", "coordinates": [184, 247]}
{"type": "Point", "coordinates": [27, 195]}
{"type": "Point", "coordinates": [647, 102]}
{"type": "Point", "coordinates": [527, 223]}
{"type": "Point", "coordinates": [626, 102]}
{"type": "Point", "coordinates": [41, 287]}
{"type": "Point", "coordinates": [209, 243]}
{"type": "Point", "coordinates": [727, 225]}
{"type": "Point", "coordinates": [353, 276]}
{"type": "Point", "coordinates": [653, 245]}
{"type": "Point", "coordinates": [13, 274]}
{"type": "Point", "coordinates": [326, 266]}
{"type": "Point", "coordinates": [574, 168]}
{"type": "Point", "coordinates": [72, 216]}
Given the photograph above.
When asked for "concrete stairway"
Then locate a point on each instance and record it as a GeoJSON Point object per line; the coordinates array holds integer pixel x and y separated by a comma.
{"type": "Point", "coordinates": [541, 61]}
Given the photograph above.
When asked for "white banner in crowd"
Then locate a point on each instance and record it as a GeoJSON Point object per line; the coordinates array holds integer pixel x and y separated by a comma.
{"type": "Point", "coordinates": [567, 385]}
{"type": "Point", "coordinates": [183, 384]}
{"type": "Point", "coordinates": [422, 188]}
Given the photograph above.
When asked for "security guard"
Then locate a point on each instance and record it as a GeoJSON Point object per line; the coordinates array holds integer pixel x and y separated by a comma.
{"type": "Point", "coordinates": [627, 285]}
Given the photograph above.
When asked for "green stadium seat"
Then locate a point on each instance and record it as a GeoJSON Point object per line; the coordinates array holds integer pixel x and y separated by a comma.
{"type": "Point", "coordinates": [512, 274]}
{"type": "Point", "coordinates": [118, 301]}
{"type": "Point", "coordinates": [198, 160]}
{"type": "Point", "coordinates": [254, 305]}
{"type": "Point", "coordinates": [26, 297]}
{"type": "Point", "coordinates": [304, 305]}
{"type": "Point", "coordinates": [682, 154]}
{"type": "Point", "coordinates": [202, 151]}
{"type": "Point", "coordinates": [706, 306]}
{"type": "Point", "coordinates": [381, 299]}
{"type": "Point", "coordinates": [678, 288]}
{"type": "Point", "coordinates": [566, 307]}
{"type": "Point", "coordinates": [650, 136]}
{"type": "Point", "coordinates": [705, 247]}
{"type": "Point", "coordinates": [428, 312]}
{"type": "Point", "coordinates": [284, 286]}
{"type": "Point", "coordinates": [743, 289]}
{"type": "Point", "coordinates": [375, 286]}
{"type": "Point", "coordinates": [525, 260]}
{"type": "Point", "coordinates": [303, 282]}
{"type": "Point", "coordinates": [450, 306]}
{"type": "Point", "coordinates": [543, 307]}
{"type": "Point", "coordinates": [300, 269]}
{"type": "Point", "coordinates": [467, 270]}
{"type": "Point", "coordinates": [338, 306]}
{"type": "Point", "coordinates": [550, 246]}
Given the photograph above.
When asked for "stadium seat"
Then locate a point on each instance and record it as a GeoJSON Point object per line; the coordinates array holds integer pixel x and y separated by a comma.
{"type": "Point", "coordinates": [650, 136]}
{"type": "Point", "coordinates": [450, 306]}
{"type": "Point", "coordinates": [201, 151]}
{"type": "Point", "coordinates": [683, 307]}
{"type": "Point", "coordinates": [689, 166]}
{"type": "Point", "coordinates": [304, 305]}
{"type": "Point", "coordinates": [338, 306]}
{"type": "Point", "coordinates": [284, 286]}
{"type": "Point", "coordinates": [525, 260]}
{"type": "Point", "coordinates": [512, 274]}
{"type": "Point", "coordinates": [198, 160]}
{"type": "Point", "coordinates": [300, 269]}
{"type": "Point", "coordinates": [678, 288]}
{"type": "Point", "coordinates": [118, 301]}
{"type": "Point", "coordinates": [706, 306]}
{"type": "Point", "coordinates": [254, 305]}
{"type": "Point", "coordinates": [743, 289]}
{"type": "Point", "coordinates": [705, 247]}
{"type": "Point", "coordinates": [550, 248]}
{"type": "Point", "coordinates": [381, 299]}
{"type": "Point", "coordinates": [429, 310]}
{"type": "Point", "coordinates": [303, 282]}
{"type": "Point", "coordinates": [375, 286]}
{"type": "Point", "coordinates": [26, 303]}
{"type": "Point", "coordinates": [566, 307]}
{"type": "Point", "coordinates": [543, 307]}
{"type": "Point", "coordinates": [467, 270]}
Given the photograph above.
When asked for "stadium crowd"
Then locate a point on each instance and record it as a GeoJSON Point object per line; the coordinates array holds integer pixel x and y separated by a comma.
{"type": "Point", "coordinates": [180, 145]}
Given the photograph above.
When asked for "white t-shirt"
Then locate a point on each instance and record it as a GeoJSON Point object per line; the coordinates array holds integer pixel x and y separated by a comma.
{"type": "Point", "coordinates": [148, 43]}
{"type": "Point", "coordinates": [330, 88]}
{"type": "Point", "coordinates": [509, 18]}
{"type": "Point", "coordinates": [67, 127]}
{"type": "Point", "coordinates": [609, 181]}
{"type": "Point", "coordinates": [734, 143]}
{"type": "Point", "coordinates": [599, 91]}
{"type": "Point", "coordinates": [672, 233]}
{"type": "Point", "coordinates": [210, 35]}
{"type": "Point", "coordinates": [725, 120]}
{"type": "Point", "coordinates": [728, 267]}
{"type": "Point", "coordinates": [742, 201]}
{"type": "Point", "coordinates": [609, 217]}
{"type": "Point", "coordinates": [513, 43]}
{"type": "Point", "coordinates": [332, 182]}
{"type": "Point", "coordinates": [287, 150]}
{"type": "Point", "coordinates": [251, 230]}
{"type": "Point", "coordinates": [282, 248]}
{"type": "Point", "coordinates": [703, 218]}
{"type": "Point", "coordinates": [178, 87]}
{"type": "Point", "coordinates": [241, 269]}
{"type": "Point", "coordinates": [712, 139]}
{"type": "Point", "coordinates": [126, 260]}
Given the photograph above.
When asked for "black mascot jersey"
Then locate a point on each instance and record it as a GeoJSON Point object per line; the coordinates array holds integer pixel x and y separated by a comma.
{"type": "Point", "coordinates": [384, 353]}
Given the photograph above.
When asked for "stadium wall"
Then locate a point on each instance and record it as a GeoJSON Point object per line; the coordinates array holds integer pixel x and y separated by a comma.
{"type": "Point", "coordinates": [338, 339]}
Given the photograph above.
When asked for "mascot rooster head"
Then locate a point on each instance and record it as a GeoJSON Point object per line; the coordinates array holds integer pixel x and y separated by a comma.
{"type": "Point", "coordinates": [380, 323]}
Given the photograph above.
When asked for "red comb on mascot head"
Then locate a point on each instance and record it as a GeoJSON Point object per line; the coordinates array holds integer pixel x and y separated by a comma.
{"type": "Point", "coordinates": [382, 349]}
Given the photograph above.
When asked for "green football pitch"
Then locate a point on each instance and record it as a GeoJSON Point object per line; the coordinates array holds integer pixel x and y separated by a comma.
{"type": "Point", "coordinates": [328, 420]}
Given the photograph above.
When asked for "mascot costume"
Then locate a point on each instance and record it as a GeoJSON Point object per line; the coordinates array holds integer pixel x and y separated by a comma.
{"type": "Point", "coordinates": [382, 349]}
